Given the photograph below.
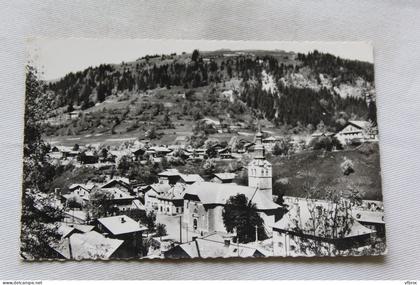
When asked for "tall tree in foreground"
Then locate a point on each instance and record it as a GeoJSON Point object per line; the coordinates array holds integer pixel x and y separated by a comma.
{"type": "Point", "coordinates": [241, 216]}
{"type": "Point", "coordinates": [39, 213]}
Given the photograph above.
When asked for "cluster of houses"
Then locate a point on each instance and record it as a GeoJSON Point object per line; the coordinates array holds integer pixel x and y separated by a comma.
{"type": "Point", "coordinates": [199, 204]}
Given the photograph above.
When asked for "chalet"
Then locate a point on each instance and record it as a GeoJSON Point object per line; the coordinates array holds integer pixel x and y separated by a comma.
{"type": "Point", "coordinates": [126, 229]}
{"type": "Point", "coordinates": [297, 227]}
{"type": "Point", "coordinates": [319, 134]}
{"type": "Point", "coordinates": [357, 131]}
{"type": "Point", "coordinates": [224, 153]}
{"type": "Point", "coordinates": [120, 198]}
{"type": "Point", "coordinates": [171, 202]}
{"type": "Point", "coordinates": [118, 182]}
{"type": "Point", "coordinates": [89, 157]}
{"type": "Point", "coordinates": [270, 142]}
{"type": "Point", "coordinates": [214, 245]}
{"type": "Point", "coordinates": [223, 177]}
{"type": "Point", "coordinates": [74, 114]}
{"type": "Point", "coordinates": [80, 193]}
{"type": "Point", "coordinates": [89, 245]}
{"type": "Point", "coordinates": [158, 151]}
{"type": "Point", "coordinates": [151, 200]}
{"type": "Point", "coordinates": [138, 153]}
{"type": "Point", "coordinates": [169, 176]}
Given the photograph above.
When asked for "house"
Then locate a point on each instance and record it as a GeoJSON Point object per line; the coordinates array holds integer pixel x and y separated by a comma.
{"type": "Point", "coordinates": [89, 245]}
{"type": "Point", "coordinates": [223, 177]}
{"type": "Point", "coordinates": [126, 229]}
{"type": "Point", "coordinates": [308, 225]}
{"type": "Point", "coordinates": [74, 114]}
{"type": "Point", "coordinates": [224, 153]}
{"type": "Point", "coordinates": [319, 134]}
{"type": "Point", "coordinates": [80, 192]}
{"type": "Point", "coordinates": [158, 151]}
{"type": "Point", "coordinates": [269, 142]}
{"type": "Point", "coordinates": [190, 178]}
{"type": "Point", "coordinates": [212, 246]}
{"type": "Point", "coordinates": [89, 157]}
{"type": "Point", "coordinates": [151, 200]}
{"type": "Point", "coordinates": [181, 141]}
{"type": "Point", "coordinates": [119, 198]}
{"type": "Point", "coordinates": [169, 176]}
{"type": "Point", "coordinates": [171, 202]}
{"type": "Point", "coordinates": [75, 217]}
{"type": "Point", "coordinates": [357, 131]}
{"type": "Point", "coordinates": [138, 153]}
{"type": "Point", "coordinates": [121, 183]}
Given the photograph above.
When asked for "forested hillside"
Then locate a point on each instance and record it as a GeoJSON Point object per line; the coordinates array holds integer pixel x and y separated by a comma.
{"type": "Point", "coordinates": [285, 88]}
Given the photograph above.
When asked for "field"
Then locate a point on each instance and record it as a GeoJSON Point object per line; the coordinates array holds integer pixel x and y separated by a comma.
{"type": "Point", "coordinates": [322, 171]}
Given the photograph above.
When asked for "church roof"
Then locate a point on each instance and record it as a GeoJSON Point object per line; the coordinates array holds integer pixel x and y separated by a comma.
{"type": "Point", "coordinates": [216, 193]}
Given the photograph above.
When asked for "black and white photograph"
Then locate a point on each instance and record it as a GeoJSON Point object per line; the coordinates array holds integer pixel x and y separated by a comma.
{"type": "Point", "coordinates": [183, 149]}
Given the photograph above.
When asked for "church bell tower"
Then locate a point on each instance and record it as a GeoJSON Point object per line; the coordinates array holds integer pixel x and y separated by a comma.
{"type": "Point", "coordinates": [260, 170]}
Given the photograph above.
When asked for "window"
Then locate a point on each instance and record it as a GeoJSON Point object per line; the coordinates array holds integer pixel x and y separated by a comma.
{"type": "Point", "coordinates": [195, 224]}
{"type": "Point", "coordinates": [280, 244]}
{"type": "Point", "coordinates": [292, 247]}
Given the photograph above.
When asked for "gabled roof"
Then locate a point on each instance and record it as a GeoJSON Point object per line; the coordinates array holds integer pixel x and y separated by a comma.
{"type": "Point", "coordinates": [191, 178]}
{"type": "Point", "coordinates": [174, 193]}
{"type": "Point", "coordinates": [125, 182]}
{"type": "Point", "coordinates": [64, 230]}
{"type": "Point", "coordinates": [136, 204]}
{"type": "Point", "coordinates": [87, 186]}
{"type": "Point", "coordinates": [87, 246]}
{"type": "Point", "coordinates": [160, 187]}
{"type": "Point", "coordinates": [170, 173]}
{"type": "Point", "coordinates": [219, 193]}
{"type": "Point", "coordinates": [118, 194]}
{"type": "Point", "coordinates": [159, 149]}
{"type": "Point", "coordinates": [359, 124]}
{"type": "Point", "coordinates": [225, 176]}
{"type": "Point", "coordinates": [122, 224]}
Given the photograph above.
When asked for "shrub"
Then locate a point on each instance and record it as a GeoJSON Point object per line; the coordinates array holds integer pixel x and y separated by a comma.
{"type": "Point", "coordinates": [347, 166]}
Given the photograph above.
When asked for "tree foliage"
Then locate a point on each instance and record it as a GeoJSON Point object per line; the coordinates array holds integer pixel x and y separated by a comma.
{"type": "Point", "coordinates": [241, 216]}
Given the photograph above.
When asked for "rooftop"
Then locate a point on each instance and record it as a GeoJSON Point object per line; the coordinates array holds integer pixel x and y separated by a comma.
{"type": "Point", "coordinates": [87, 246]}
{"type": "Point", "coordinates": [219, 193]}
{"type": "Point", "coordinates": [225, 176]}
{"type": "Point", "coordinates": [191, 178]}
{"type": "Point", "coordinates": [122, 224]}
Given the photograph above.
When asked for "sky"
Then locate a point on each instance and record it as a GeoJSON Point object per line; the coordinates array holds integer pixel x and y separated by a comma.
{"type": "Point", "coordinates": [55, 58]}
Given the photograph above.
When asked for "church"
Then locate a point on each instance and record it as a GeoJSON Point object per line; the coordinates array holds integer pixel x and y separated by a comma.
{"type": "Point", "coordinates": [204, 201]}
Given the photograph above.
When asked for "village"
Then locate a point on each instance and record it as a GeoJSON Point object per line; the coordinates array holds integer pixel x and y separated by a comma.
{"type": "Point", "coordinates": [182, 215]}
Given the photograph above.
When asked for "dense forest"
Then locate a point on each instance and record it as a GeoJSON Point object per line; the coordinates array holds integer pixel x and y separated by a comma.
{"type": "Point", "coordinates": [287, 104]}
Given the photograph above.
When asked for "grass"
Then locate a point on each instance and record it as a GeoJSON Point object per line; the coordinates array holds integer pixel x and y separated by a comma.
{"type": "Point", "coordinates": [323, 172]}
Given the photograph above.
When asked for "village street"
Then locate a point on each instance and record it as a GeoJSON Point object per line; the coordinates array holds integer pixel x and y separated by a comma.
{"type": "Point", "coordinates": [172, 228]}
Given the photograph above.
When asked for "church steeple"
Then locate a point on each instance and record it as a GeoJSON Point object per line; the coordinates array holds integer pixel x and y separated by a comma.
{"type": "Point", "coordinates": [259, 169]}
{"type": "Point", "coordinates": [259, 147]}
